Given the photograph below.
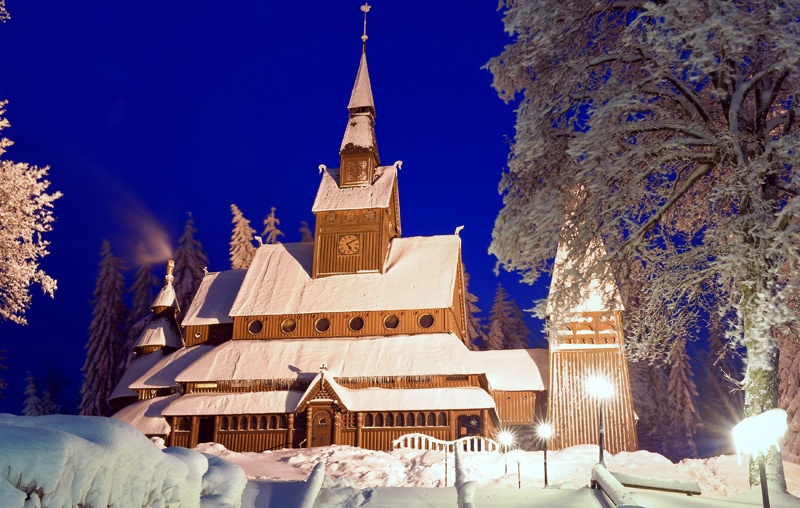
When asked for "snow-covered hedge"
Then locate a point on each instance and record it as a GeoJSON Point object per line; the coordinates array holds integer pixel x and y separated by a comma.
{"type": "Point", "coordinates": [65, 461]}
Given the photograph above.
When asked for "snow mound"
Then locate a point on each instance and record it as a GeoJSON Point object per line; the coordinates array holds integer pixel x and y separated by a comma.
{"type": "Point", "coordinates": [66, 461]}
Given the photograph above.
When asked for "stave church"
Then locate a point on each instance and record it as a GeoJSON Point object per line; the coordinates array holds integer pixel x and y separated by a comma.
{"type": "Point", "coordinates": [360, 338]}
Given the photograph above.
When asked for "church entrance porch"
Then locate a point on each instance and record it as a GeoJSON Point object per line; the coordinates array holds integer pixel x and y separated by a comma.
{"type": "Point", "coordinates": [321, 428]}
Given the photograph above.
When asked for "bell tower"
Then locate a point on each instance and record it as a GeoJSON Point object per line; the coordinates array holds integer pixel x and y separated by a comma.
{"type": "Point", "coordinates": [357, 207]}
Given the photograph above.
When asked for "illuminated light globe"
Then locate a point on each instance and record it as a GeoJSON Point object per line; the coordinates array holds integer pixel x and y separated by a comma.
{"type": "Point", "coordinates": [505, 438]}
{"type": "Point", "coordinates": [544, 430]}
{"type": "Point", "coordinates": [599, 387]}
{"type": "Point", "coordinates": [755, 435]}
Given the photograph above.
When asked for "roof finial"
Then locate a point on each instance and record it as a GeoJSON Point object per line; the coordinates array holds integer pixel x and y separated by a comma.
{"type": "Point", "coordinates": [168, 278]}
{"type": "Point", "coordinates": [365, 9]}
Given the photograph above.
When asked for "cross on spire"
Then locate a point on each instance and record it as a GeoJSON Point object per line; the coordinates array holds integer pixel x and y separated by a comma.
{"type": "Point", "coordinates": [365, 9]}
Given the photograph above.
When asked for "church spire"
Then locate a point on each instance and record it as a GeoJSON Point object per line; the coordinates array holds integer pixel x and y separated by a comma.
{"type": "Point", "coordinates": [359, 150]}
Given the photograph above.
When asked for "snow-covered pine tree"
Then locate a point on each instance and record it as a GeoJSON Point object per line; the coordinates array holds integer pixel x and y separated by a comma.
{"type": "Point", "coordinates": [500, 323]}
{"type": "Point", "coordinates": [271, 231]}
{"type": "Point", "coordinates": [684, 418]}
{"type": "Point", "coordinates": [32, 404]}
{"type": "Point", "coordinates": [519, 333]}
{"type": "Point", "coordinates": [241, 246]}
{"type": "Point", "coordinates": [190, 263]}
{"type": "Point", "coordinates": [649, 388]}
{"type": "Point", "coordinates": [475, 333]}
{"type": "Point", "coordinates": [305, 232]}
{"type": "Point", "coordinates": [106, 336]}
{"type": "Point", "coordinates": [27, 211]}
{"type": "Point", "coordinates": [686, 158]}
{"type": "Point", "coordinates": [139, 315]}
{"type": "Point", "coordinates": [48, 405]}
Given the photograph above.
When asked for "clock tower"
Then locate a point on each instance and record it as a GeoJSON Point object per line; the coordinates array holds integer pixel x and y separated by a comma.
{"type": "Point", "coordinates": [357, 208]}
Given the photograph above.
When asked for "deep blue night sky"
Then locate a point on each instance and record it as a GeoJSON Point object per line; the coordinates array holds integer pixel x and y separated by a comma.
{"type": "Point", "coordinates": [148, 110]}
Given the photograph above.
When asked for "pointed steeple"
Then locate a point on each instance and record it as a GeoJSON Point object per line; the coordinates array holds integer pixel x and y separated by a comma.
{"type": "Point", "coordinates": [163, 331]}
{"type": "Point", "coordinates": [359, 150]}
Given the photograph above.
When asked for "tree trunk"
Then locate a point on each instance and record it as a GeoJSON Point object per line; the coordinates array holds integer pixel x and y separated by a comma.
{"type": "Point", "coordinates": [761, 382]}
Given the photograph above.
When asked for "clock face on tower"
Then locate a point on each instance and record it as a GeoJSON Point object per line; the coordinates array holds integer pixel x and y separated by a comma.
{"type": "Point", "coordinates": [349, 244]}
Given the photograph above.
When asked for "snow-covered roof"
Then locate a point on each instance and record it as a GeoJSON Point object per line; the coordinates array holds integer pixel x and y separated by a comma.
{"type": "Point", "coordinates": [406, 399]}
{"type": "Point", "coordinates": [515, 369]}
{"type": "Point", "coordinates": [164, 372]}
{"type": "Point", "coordinates": [161, 331]}
{"type": "Point", "coordinates": [214, 298]}
{"type": "Point", "coordinates": [135, 370]}
{"type": "Point", "coordinates": [376, 195]}
{"type": "Point", "coordinates": [166, 297]}
{"type": "Point", "coordinates": [234, 403]}
{"type": "Point", "coordinates": [598, 296]}
{"type": "Point", "coordinates": [420, 274]}
{"type": "Point", "coordinates": [401, 355]}
{"type": "Point", "coordinates": [360, 132]}
{"type": "Point", "coordinates": [146, 415]}
{"type": "Point", "coordinates": [361, 97]}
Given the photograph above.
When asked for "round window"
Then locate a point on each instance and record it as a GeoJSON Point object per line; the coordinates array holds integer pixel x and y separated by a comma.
{"type": "Point", "coordinates": [288, 325]}
{"type": "Point", "coordinates": [391, 322]}
{"type": "Point", "coordinates": [322, 324]}
{"type": "Point", "coordinates": [356, 323]}
{"type": "Point", "coordinates": [425, 321]}
{"type": "Point", "coordinates": [255, 326]}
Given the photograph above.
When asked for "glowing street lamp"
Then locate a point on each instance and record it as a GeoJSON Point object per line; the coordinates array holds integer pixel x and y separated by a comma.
{"type": "Point", "coordinates": [601, 389]}
{"type": "Point", "coordinates": [506, 439]}
{"type": "Point", "coordinates": [755, 435]}
{"type": "Point", "coordinates": [545, 431]}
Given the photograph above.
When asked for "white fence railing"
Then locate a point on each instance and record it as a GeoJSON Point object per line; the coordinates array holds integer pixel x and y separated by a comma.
{"type": "Point", "coordinates": [418, 441]}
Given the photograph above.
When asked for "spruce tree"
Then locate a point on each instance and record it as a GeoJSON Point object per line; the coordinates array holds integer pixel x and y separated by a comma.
{"type": "Point", "coordinates": [501, 324]}
{"type": "Point", "coordinates": [48, 405]}
{"type": "Point", "coordinates": [142, 295]}
{"type": "Point", "coordinates": [190, 264]}
{"type": "Point", "coordinates": [517, 336]}
{"type": "Point", "coordinates": [494, 339]}
{"type": "Point", "coordinates": [32, 404]}
{"type": "Point", "coordinates": [241, 246]}
{"type": "Point", "coordinates": [106, 337]}
{"type": "Point", "coordinates": [649, 388]}
{"type": "Point", "coordinates": [271, 231]}
{"type": "Point", "coordinates": [685, 420]}
{"type": "Point", "coordinates": [305, 233]}
{"type": "Point", "coordinates": [475, 332]}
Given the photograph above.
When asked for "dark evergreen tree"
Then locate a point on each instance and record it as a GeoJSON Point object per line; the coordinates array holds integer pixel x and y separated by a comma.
{"type": "Point", "coordinates": [305, 232]}
{"type": "Point", "coordinates": [139, 315]}
{"type": "Point", "coordinates": [684, 419]}
{"type": "Point", "coordinates": [649, 388]}
{"type": "Point", "coordinates": [241, 246]}
{"type": "Point", "coordinates": [190, 264]}
{"type": "Point", "coordinates": [518, 334]}
{"type": "Point", "coordinates": [106, 337]}
{"type": "Point", "coordinates": [475, 332]}
{"type": "Point", "coordinates": [32, 404]}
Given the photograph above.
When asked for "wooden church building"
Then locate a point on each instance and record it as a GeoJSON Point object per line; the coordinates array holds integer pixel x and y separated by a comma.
{"type": "Point", "coordinates": [355, 339]}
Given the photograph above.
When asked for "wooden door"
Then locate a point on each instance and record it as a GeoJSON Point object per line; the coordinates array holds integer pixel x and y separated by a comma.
{"type": "Point", "coordinates": [321, 427]}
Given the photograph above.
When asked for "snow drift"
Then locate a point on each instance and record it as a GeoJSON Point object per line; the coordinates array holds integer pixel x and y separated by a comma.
{"type": "Point", "coordinates": [65, 461]}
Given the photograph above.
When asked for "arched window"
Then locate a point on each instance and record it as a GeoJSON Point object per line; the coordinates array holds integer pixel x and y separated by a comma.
{"type": "Point", "coordinates": [441, 419]}
{"type": "Point", "coordinates": [420, 419]}
{"type": "Point", "coordinates": [368, 420]}
{"type": "Point", "coordinates": [184, 424]}
{"type": "Point", "coordinates": [243, 423]}
{"type": "Point", "coordinates": [281, 421]}
{"type": "Point", "coordinates": [410, 419]}
{"type": "Point", "coordinates": [262, 422]}
{"type": "Point", "coordinates": [234, 422]}
{"type": "Point", "coordinates": [379, 420]}
{"type": "Point", "coordinates": [253, 424]}
{"type": "Point", "coordinates": [431, 420]}
{"type": "Point", "coordinates": [223, 424]}
{"type": "Point", "coordinates": [273, 422]}
{"type": "Point", "coordinates": [390, 420]}
{"type": "Point", "coordinates": [400, 421]}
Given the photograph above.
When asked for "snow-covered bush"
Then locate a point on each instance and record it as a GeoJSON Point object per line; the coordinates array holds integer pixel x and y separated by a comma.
{"type": "Point", "coordinates": [65, 461]}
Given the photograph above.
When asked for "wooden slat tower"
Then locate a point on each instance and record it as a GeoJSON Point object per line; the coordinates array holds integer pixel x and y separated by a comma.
{"type": "Point", "coordinates": [588, 340]}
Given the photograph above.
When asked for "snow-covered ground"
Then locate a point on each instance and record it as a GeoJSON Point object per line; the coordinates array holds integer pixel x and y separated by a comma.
{"type": "Point", "coordinates": [360, 477]}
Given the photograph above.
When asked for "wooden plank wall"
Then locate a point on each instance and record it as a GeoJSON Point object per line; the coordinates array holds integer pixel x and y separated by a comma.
{"type": "Point", "coordinates": [515, 408]}
{"type": "Point", "coordinates": [574, 414]}
{"type": "Point", "coordinates": [212, 334]}
{"type": "Point", "coordinates": [381, 438]}
{"type": "Point", "coordinates": [339, 324]}
{"type": "Point", "coordinates": [253, 440]}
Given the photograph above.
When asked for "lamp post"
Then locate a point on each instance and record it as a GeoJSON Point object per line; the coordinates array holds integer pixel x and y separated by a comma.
{"type": "Point", "coordinates": [601, 389]}
{"type": "Point", "coordinates": [544, 431]}
{"type": "Point", "coordinates": [506, 439]}
{"type": "Point", "coordinates": [755, 435]}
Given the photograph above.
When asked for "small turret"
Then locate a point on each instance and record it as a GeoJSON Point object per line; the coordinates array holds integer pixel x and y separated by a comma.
{"type": "Point", "coordinates": [163, 331]}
